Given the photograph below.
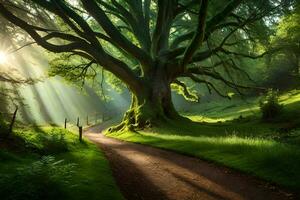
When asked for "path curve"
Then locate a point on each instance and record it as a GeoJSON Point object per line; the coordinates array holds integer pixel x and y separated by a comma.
{"type": "Point", "coordinates": [147, 173]}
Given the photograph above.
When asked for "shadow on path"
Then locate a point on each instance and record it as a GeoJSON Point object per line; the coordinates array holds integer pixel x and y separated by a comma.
{"type": "Point", "coordinates": [147, 173]}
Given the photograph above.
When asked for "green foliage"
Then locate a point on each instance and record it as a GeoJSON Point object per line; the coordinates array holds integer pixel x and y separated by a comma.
{"type": "Point", "coordinates": [47, 141]}
{"type": "Point", "coordinates": [288, 29]}
{"type": "Point", "coordinates": [55, 142]}
{"type": "Point", "coordinates": [43, 179]}
{"type": "Point", "coordinates": [253, 20]}
{"type": "Point", "coordinates": [270, 106]}
{"type": "Point", "coordinates": [78, 171]}
{"type": "Point", "coordinates": [188, 93]}
{"type": "Point", "coordinates": [80, 72]}
{"type": "Point", "coordinates": [226, 110]}
{"type": "Point", "coordinates": [283, 70]}
{"type": "Point", "coordinates": [281, 74]}
{"type": "Point", "coordinates": [71, 67]}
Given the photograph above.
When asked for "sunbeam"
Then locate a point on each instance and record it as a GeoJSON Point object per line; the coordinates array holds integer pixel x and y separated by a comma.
{"type": "Point", "coordinates": [51, 100]}
{"type": "Point", "coordinates": [3, 57]}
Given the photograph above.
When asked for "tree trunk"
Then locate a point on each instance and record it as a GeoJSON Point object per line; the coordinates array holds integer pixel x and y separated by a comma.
{"type": "Point", "coordinates": [150, 106]}
{"type": "Point", "coordinates": [12, 122]}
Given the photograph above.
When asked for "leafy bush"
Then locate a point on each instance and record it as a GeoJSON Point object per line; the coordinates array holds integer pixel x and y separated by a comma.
{"type": "Point", "coordinates": [270, 106]}
{"type": "Point", "coordinates": [54, 142]}
{"type": "Point", "coordinates": [43, 179]}
{"type": "Point", "coordinates": [45, 141]}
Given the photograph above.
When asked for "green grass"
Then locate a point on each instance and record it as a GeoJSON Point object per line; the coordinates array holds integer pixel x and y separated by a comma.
{"type": "Point", "coordinates": [226, 110]}
{"type": "Point", "coordinates": [53, 159]}
{"type": "Point", "coordinates": [268, 159]}
{"type": "Point", "coordinates": [264, 150]}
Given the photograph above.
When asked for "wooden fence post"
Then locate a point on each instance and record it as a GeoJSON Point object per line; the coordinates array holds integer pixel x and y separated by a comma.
{"type": "Point", "coordinates": [80, 133]}
{"type": "Point", "coordinates": [13, 121]}
{"type": "Point", "coordinates": [78, 121]}
{"type": "Point", "coordinates": [66, 123]}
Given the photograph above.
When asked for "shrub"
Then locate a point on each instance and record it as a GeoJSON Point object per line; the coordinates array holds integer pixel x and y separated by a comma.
{"type": "Point", "coordinates": [270, 106]}
{"type": "Point", "coordinates": [54, 143]}
{"type": "Point", "coordinates": [43, 179]}
{"type": "Point", "coordinates": [45, 141]}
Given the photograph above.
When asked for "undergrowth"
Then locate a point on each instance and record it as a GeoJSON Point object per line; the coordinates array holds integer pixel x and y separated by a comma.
{"type": "Point", "coordinates": [50, 163]}
{"type": "Point", "coordinates": [46, 179]}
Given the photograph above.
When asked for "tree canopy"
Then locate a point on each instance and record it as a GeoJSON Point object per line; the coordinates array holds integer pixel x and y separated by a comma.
{"type": "Point", "coordinates": [151, 44]}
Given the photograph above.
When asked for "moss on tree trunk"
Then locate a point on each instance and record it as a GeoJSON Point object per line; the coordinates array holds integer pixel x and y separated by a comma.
{"type": "Point", "coordinates": [149, 107]}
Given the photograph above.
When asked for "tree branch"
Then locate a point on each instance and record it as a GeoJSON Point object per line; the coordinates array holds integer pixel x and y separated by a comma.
{"type": "Point", "coordinates": [207, 83]}
{"type": "Point", "coordinates": [185, 90]}
{"type": "Point", "coordinates": [79, 44]}
{"type": "Point", "coordinates": [160, 37]}
{"type": "Point", "coordinates": [99, 15]}
{"type": "Point", "coordinates": [198, 36]}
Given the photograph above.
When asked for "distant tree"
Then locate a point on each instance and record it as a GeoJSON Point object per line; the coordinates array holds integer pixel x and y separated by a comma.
{"type": "Point", "coordinates": [284, 66]}
{"type": "Point", "coordinates": [151, 44]}
{"type": "Point", "coordinates": [288, 38]}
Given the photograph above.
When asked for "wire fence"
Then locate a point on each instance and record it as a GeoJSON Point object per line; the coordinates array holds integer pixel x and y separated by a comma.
{"type": "Point", "coordinates": [75, 124]}
{"type": "Point", "coordinates": [88, 120]}
{"type": "Point", "coordinates": [91, 119]}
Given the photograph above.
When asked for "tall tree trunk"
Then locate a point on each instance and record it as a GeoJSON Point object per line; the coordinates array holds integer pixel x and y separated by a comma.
{"type": "Point", "coordinates": [151, 105]}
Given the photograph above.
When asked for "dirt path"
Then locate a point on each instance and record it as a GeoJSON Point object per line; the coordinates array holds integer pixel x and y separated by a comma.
{"type": "Point", "coordinates": [147, 173]}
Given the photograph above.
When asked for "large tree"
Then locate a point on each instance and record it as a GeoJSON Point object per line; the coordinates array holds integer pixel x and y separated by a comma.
{"type": "Point", "coordinates": [159, 42]}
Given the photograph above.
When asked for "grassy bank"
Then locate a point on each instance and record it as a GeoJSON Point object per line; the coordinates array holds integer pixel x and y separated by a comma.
{"type": "Point", "coordinates": [50, 163]}
{"type": "Point", "coordinates": [267, 150]}
{"type": "Point", "coordinates": [224, 109]}
{"type": "Point", "coordinates": [268, 159]}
